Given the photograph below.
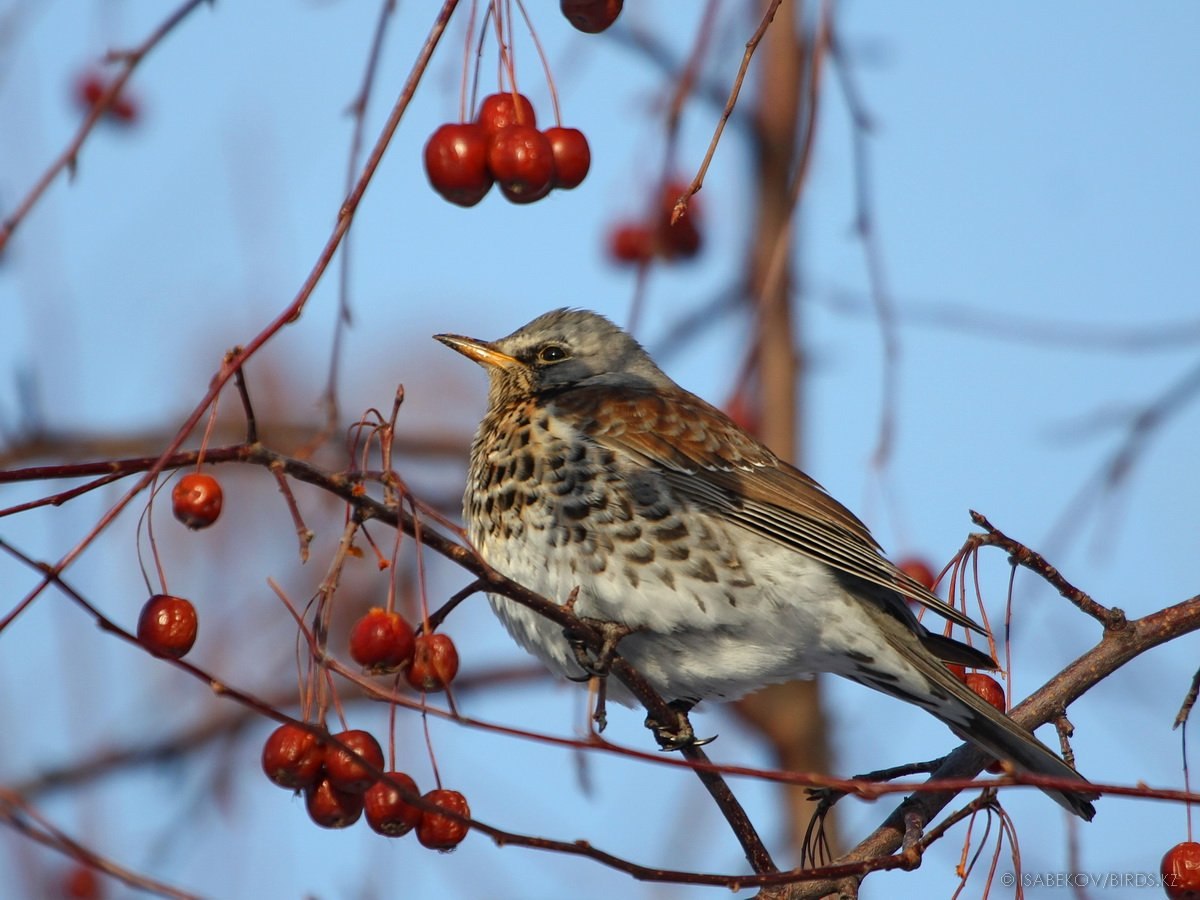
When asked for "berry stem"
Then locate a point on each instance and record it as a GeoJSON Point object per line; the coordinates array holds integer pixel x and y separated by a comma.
{"type": "Point", "coordinates": [392, 707]}
{"type": "Point", "coordinates": [437, 776]}
{"type": "Point", "coordinates": [545, 63]}
{"type": "Point", "coordinates": [1187, 782]}
{"type": "Point", "coordinates": [147, 518]}
{"type": "Point", "coordinates": [212, 418]}
{"type": "Point", "coordinates": [466, 64]}
{"type": "Point", "coordinates": [483, 32]}
{"type": "Point", "coordinates": [506, 61]}
{"type": "Point", "coordinates": [420, 566]}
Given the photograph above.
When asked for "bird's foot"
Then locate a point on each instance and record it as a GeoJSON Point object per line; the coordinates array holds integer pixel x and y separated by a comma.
{"type": "Point", "coordinates": [595, 665]}
{"type": "Point", "coordinates": [677, 735]}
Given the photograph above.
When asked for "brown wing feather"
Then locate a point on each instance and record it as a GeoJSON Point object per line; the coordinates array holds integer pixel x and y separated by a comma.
{"type": "Point", "coordinates": [683, 436]}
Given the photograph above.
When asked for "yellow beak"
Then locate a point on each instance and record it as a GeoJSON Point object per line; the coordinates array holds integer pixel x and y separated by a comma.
{"type": "Point", "coordinates": [480, 351]}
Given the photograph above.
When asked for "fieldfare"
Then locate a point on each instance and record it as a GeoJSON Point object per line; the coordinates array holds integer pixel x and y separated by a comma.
{"type": "Point", "coordinates": [592, 471]}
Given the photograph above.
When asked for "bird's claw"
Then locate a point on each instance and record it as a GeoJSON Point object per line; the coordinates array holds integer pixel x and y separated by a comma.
{"type": "Point", "coordinates": [679, 734]}
{"type": "Point", "coordinates": [595, 665]}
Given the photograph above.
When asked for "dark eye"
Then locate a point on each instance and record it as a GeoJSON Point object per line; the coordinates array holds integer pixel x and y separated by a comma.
{"type": "Point", "coordinates": [552, 353]}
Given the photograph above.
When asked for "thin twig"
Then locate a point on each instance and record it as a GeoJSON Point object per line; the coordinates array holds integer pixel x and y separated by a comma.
{"type": "Point", "coordinates": [751, 45]}
{"type": "Point", "coordinates": [1021, 555]}
{"type": "Point", "coordinates": [1114, 470]}
{"type": "Point", "coordinates": [239, 381]}
{"type": "Point", "coordinates": [67, 159]}
{"type": "Point", "coordinates": [20, 815]}
{"type": "Point", "coordinates": [289, 315]}
{"type": "Point", "coordinates": [1188, 701]}
{"type": "Point", "coordinates": [303, 532]}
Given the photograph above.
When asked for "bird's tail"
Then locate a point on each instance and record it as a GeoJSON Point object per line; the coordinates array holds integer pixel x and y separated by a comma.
{"type": "Point", "coordinates": [975, 720]}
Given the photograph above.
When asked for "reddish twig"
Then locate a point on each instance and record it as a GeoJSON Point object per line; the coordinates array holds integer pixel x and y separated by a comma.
{"type": "Point", "coordinates": [734, 91]}
{"type": "Point", "coordinates": [20, 815]}
{"type": "Point", "coordinates": [289, 314]}
{"type": "Point", "coordinates": [68, 158]}
{"type": "Point", "coordinates": [303, 532]}
{"type": "Point", "coordinates": [1116, 648]}
{"type": "Point", "coordinates": [1021, 555]}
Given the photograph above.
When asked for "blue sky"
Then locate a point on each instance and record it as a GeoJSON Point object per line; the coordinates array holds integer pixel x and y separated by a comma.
{"type": "Point", "coordinates": [1030, 164]}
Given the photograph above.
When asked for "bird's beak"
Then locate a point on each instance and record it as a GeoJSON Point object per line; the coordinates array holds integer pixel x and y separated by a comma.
{"type": "Point", "coordinates": [480, 351]}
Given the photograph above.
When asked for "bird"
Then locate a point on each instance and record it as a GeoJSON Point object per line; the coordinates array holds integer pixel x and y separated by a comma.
{"type": "Point", "coordinates": [593, 476]}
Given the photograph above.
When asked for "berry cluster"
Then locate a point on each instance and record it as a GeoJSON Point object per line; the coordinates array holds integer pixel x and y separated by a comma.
{"type": "Point", "coordinates": [383, 642]}
{"type": "Point", "coordinates": [636, 242]}
{"type": "Point", "coordinates": [92, 85]}
{"type": "Point", "coordinates": [503, 144]}
{"type": "Point", "coordinates": [340, 784]}
{"type": "Point", "coordinates": [338, 774]}
{"type": "Point", "coordinates": [983, 685]}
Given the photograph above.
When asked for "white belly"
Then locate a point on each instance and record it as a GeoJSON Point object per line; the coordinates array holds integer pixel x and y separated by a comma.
{"type": "Point", "coordinates": [699, 639]}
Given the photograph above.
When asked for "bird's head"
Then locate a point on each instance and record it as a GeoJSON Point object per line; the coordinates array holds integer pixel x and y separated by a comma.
{"type": "Point", "coordinates": [562, 349]}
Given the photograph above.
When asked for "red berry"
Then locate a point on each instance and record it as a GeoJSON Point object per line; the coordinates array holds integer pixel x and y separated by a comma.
{"type": "Point", "coordinates": [988, 688]}
{"type": "Point", "coordinates": [456, 163]}
{"type": "Point", "coordinates": [572, 156]}
{"type": "Point", "coordinates": [1181, 871]}
{"type": "Point", "coordinates": [90, 89]}
{"type": "Point", "coordinates": [345, 771]}
{"type": "Point", "coordinates": [331, 808]}
{"type": "Point", "coordinates": [441, 832]}
{"type": "Point", "coordinates": [630, 243]}
{"type": "Point", "coordinates": [292, 757]}
{"type": "Point", "coordinates": [959, 672]}
{"type": "Point", "coordinates": [918, 570]}
{"type": "Point", "coordinates": [435, 663]}
{"type": "Point", "coordinates": [500, 111]}
{"type": "Point", "coordinates": [92, 85]}
{"type": "Point", "coordinates": [591, 16]}
{"type": "Point", "coordinates": [522, 160]}
{"type": "Point", "coordinates": [167, 626]}
{"type": "Point", "coordinates": [381, 641]}
{"type": "Point", "coordinates": [387, 811]}
{"type": "Point", "coordinates": [124, 110]}
{"type": "Point", "coordinates": [196, 500]}
{"type": "Point", "coordinates": [81, 883]}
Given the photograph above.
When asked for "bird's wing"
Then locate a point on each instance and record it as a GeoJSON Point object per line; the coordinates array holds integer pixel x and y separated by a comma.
{"type": "Point", "coordinates": [707, 458]}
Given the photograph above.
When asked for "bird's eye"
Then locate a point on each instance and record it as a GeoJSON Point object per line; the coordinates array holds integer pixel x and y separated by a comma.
{"type": "Point", "coordinates": [551, 353]}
